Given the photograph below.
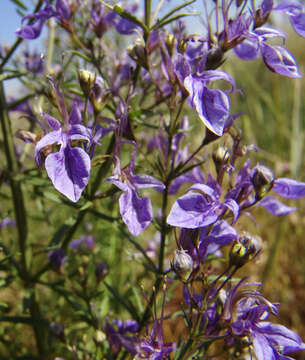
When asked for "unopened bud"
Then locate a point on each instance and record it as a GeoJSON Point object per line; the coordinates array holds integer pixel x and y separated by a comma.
{"type": "Point", "coordinates": [262, 180]}
{"type": "Point", "coordinates": [220, 157]}
{"type": "Point", "coordinates": [101, 271]}
{"type": "Point", "coordinates": [170, 43]}
{"type": "Point", "coordinates": [100, 336]}
{"type": "Point", "coordinates": [214, 58]}
{"type": "Point", "coordinates": [137, 53]}
{"type": "Point", "coordinates": [182, 264]}
{"type": "Point", "coordinates": [58, 331]}
{"type": "Point", "coordinates": [182, 45]}
{"type": "Point", "coordinates": [245, 250]}
{"type": "Point", "coordinates": [86, 81]}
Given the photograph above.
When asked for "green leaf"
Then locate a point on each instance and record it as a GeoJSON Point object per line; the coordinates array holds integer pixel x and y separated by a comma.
{"type": "Point", "coordinates": [87, 205]}
{"type": "Point", "coordinates": [20, 4]}
{"type": "Point", "coordinates": [11, 76]}
{"type": "Point", "coordinates": [126, 15]}
{"type": "Point", "coordinates": [52, 196]}
{"type": "Point", "coordinates": [83, 56]}
{"type": "Point", "coordinates": [127, 305]}
{"type": "Point", "coordinates": [174, 18]}
{"type": "Point", "coordinates": [177, 8]}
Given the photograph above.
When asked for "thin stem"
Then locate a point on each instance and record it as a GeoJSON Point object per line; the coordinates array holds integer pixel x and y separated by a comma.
{"type": "Point", "coordinates": [50, 50]}
{"type": "Point", "coordinates": [147, 13]}
{"type": "Point", "coordinates": [12, 166]}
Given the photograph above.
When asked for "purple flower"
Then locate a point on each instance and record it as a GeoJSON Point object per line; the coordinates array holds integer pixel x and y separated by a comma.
{"type": "Point", "coordinates": [101, 18]}
{"type": "Point", "coordinates": [69, 168]}
{"type": "Point", "coordinates": [210, 239]}
{"type": "Point", "coordinates": [200, 207]}
{"type": "Point", "coordinates": [212, 105]}
{"type": "Point", "coordinates": [86, 241]}
{"type": "Point", "coordinates": [277, 58]}
{"type": "Point", "coordinates": [154, 347]}
{"type": "Point", "coordinates": [136, 212]}
{"type": "Point", "coordinates": [296, 13]}
{"type": "Point", "coordinates": [270, 341]}
{"type": "Point", "coordinates": [57, 259]}
{"type": "Point", "coordinates": [118, 338]}
{"type": "Point", "coordinates": [32, 31]}
{"type": "Point", "coordinates": [7, 222]}
{"type": "Point", "coordinates": [34, 62]}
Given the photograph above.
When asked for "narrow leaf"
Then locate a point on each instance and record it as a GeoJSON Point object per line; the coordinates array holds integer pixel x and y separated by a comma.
{"type": "Point", "coordinates": [20, 4]}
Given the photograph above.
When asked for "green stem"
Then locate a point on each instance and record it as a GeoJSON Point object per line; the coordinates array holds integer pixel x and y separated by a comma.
{"type": "Point", "coordinates": [103, 170]}
{"type": "Point", "coordinates": [50, 50]}
{"type": "Point", "coordinates": [12, 167]}
{"type": "Point", "coordinates": [41, 333]}
{"type": "Point", "coordinates": [147, 13]}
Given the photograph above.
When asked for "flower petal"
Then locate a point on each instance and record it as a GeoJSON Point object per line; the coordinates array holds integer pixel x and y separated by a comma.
{"type": "Point", "coordinates": [275, 207]}
{"type": "Point", "coordinates": [192, 211]}
{"type": "Point", "coordinates": [142, 181]}
{"type": "Point", "coordinates": [279, 60]}
{"type": "Point", "coordinates": [69, 171]}
{"type": "Point", "coordinates": [289, 188]}
{"type": "Point", "coordinates": [49, 139]}
{"type": "Point", "coordinates": [136, 212]}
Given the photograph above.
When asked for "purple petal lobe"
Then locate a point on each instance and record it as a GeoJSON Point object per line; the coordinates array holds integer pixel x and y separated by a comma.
{"type": "Point", "coordinates": [136, 212]}
{"type": "Point", "coordinates": [49, 139]}
{"type": "Point", "coordinates": [298, 24]}
{"type": "Point", "coordinates": [142, 181]}
{"type": "Point", "coordinates": [289, 188]}
{"type": "Point", "coordinates": [212, 105]}
{"type": "Point", "coordinates": [249, 49]}
{"type": "Point", "coordinates": [262, 349]}
{"type": "Point", "coordinates": [52, 122]}
{"type": "Point", "coordinates": [69, 171]}
{"type": "Point", "coordinates": [192, 211]}
{"type": "Point", "coordinates": [75, 114]}
{"type": "Point", "coordinates": [275, 207]}
{"type": "Point", "coordinates": [279, 60]}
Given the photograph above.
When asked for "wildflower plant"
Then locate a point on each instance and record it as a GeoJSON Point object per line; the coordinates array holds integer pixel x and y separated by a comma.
{"type": "Point", "coordinates": [128, 99]}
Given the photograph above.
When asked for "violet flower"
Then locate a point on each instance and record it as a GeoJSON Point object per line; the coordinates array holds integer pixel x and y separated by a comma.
{"type": "Point", "coordinates": [201, 206]}
{"type": "Point", "coordinates": [136, 212]}
{"type": "Point", "coordinates": [252, 43]}
{"type": "Point", "coordinates": [209, 240]}
{"type": "Point", "coordinates": [32, 31]}
{"type": "Point", "coordinates": [212, 105]}
{"type": "Point", "coordinates": [270, 341]}
{"type": "Point", "coordinates": [7, 222]}
{"type": "Point", "coordinates": [154, 347]}
{"type": "Point", "coordinates": [118, 337]}
{"type": "Point", "coordinates": [69, 168]}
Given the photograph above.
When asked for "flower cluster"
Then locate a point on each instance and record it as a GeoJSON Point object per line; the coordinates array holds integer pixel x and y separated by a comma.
{"type": "Point", "coordinates": [125, 124]}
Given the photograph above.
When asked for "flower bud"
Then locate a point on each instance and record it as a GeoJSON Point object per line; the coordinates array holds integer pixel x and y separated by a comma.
{"type": "Point", "coordinates": [58, 331]}
{"type": "Point", "coordinates": [86, 81]}
{"type": "Point", "coordinates": [246, 249]}
{"type": "Point", "coordinates": [214, 58]}
{"type": "Point", "coordinates": [137, 53]}
{"type": "Point", "coordinates": [220, 157]}
{"type": "Point", "coordinates": [262, 180]}
{"type": "Point", "coordinates": [182, 264]}
{"type": "Point", "coordinates": [170, 43]}
{"type": "Point", "coordinates": [101, 271]}
{"type": "Point", "coordinates": [57, 259]}
{"type": "Point", "coordinates": [182, 45]}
